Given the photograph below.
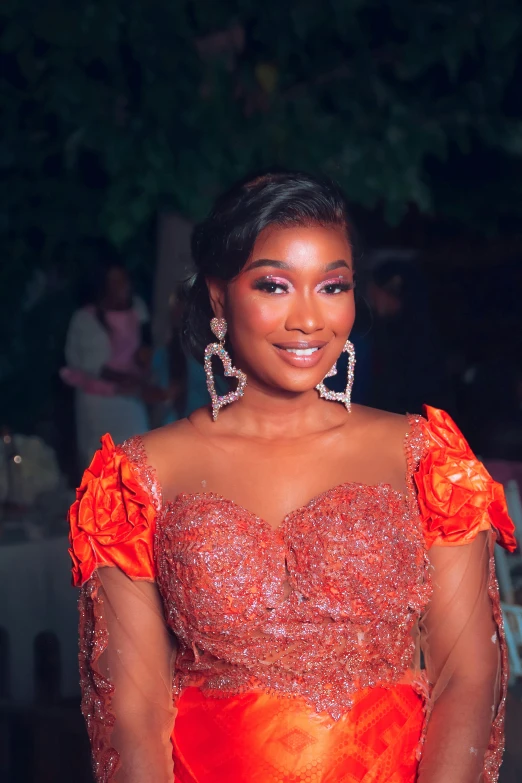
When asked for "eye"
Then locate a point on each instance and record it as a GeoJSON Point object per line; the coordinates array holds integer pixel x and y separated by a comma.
{"type": "Point", "coordinates": [337, 287]}
{"type": "Point", "coordinates": [271, 286]}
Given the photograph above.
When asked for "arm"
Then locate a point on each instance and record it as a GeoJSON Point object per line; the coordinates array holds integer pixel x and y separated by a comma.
{"type": "Point", "coordinates": [86, 350]}
{"type": "Point", "coordinates": [126, 663]}
{"type": "Point", "coordinates": [463, 513]}
{"type": "Point", "coordinates": [461, 646]}
{"type": "Point", "coordinates": [126, 651]}
{"type": "Point", "coordinates": [88, 383]}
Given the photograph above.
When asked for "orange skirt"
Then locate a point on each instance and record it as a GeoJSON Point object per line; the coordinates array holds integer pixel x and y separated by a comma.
{"type": "Point", "coordinates": [259, 738]}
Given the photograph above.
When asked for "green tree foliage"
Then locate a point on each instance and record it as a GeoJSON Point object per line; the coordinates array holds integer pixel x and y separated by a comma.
{"type": "Point", "coordinates": [114, 109]}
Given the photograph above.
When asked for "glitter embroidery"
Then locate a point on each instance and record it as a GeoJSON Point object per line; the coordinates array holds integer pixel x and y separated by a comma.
{"type": "Point", "coordinates": [134, 450]}
{"type": "Point", "coordinates": [321, 607]}
{"type": "Point", "coordinates": [97, 690]}
{"type": "Point", "coordinates": [495, 751]}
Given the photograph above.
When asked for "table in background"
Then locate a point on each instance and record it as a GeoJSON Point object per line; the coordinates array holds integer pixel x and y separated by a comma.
{"type": "Point", "coordinates": [36, 596]}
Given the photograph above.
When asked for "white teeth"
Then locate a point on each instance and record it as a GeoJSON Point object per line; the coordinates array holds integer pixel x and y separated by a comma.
{"type": "Point", "coordinates": [302, 351]}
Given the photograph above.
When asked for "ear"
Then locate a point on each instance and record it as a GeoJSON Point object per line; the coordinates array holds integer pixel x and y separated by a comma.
{"type": "Point", "coordinates": [216, 293]}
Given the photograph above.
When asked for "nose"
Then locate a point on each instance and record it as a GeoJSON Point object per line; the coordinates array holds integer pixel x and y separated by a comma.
{"type": "Point", "coordinates": [305, 314]}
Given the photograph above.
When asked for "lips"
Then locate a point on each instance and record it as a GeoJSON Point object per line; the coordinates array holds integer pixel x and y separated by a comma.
{"type": "Point", "coordinates": [301, 353]}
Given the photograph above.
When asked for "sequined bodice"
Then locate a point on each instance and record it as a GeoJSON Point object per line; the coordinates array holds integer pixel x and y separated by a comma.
{"type": "Point", "coordinates": [321, 607]}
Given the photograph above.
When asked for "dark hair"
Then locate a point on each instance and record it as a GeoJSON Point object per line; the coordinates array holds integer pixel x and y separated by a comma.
{"type": "Point", "coordinates": [93, 281]}
{"type": "Point", "coordinates": [223, 242]}
{"type": "Point", "coordinates": [94, 284]}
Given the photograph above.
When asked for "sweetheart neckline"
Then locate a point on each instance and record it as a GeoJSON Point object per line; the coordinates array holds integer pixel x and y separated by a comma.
{"type": "Point", "coordinates": [278, 529]}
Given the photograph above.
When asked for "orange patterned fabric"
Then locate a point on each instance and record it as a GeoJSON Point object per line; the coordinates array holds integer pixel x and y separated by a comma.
{"type": "Point", "coordinates": [457, 497]}
{"type": "Point", "coordinates": [112, 520]}
{"type": "Point", "coordinates": [260, 738]}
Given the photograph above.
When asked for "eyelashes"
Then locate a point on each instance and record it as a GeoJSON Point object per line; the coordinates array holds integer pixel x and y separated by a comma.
{"type": "Point", "coordinates": [271, 285]}
{"type": "Point", "coordinates": [340, 286]}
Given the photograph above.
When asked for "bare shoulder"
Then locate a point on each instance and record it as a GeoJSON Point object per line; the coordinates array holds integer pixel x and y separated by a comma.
{"type": "Point", "coordinates": [172, 449]}
{"type": "Point", "coordinates": [169, 434]}
{"type": "Point", "coordinates": [387, 429]}
{"type": "Point", "coordinates": [381, 421]}
{"type": "Point", "coordinates": [166, 447]}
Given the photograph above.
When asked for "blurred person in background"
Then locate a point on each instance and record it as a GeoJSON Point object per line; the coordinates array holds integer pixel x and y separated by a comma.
{"type": "Point", "coordinates": [108, 360]}
{"type": "Point", "coordinates": [169, 368]}
{"type": "Point", "coordinates": [179, 371]}
{"type": "Point", "coordinates": [261, 579]}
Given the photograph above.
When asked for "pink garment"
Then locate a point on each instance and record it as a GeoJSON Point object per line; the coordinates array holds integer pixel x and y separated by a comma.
{"type": "Point", "coordinates": [125, 338]}
{"type": "Point", "coordinates": [89, 383]}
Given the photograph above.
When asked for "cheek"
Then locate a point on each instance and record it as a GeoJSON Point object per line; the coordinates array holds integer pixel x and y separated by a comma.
{"type": "Point", "coordinates": [259, 315]}
{"type": "Point", "coordinates": [339, 314]}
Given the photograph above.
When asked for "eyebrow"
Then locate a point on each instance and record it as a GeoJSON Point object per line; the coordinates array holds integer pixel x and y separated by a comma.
{"type": "Point", "coordinates": [283, 265]}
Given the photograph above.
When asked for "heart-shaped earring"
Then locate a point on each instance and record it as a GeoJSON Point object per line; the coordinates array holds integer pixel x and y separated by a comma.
{"type": "Point", "coordinates": [219, 329]}
{"type": "Point", "coordinates": [346, 396]}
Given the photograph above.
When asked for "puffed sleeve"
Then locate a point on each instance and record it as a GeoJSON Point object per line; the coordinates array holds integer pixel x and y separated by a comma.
{"type": "Point", "coordinates": [112, 521]}
{"type": "Point", "coordinates": [126, 651]}
{"type": "Point", "coordinates": [463, 513]}
{"type": "Point", "coordinates": [457, 496]}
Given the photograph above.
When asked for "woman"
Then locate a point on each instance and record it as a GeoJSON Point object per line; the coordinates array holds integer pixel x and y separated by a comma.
{"type": "Point", "coordinates": [178, 370]}
{"type": "Point", "coordinates": [259, 580]}
{"type": "Point", "coordinates": [104, 362]}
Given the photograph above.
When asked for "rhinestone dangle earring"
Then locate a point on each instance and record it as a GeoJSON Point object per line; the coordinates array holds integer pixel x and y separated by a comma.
{"type": "Point", "coordinates": [219, 329]}
{"type": "Point", "coordinates": [346, 396]}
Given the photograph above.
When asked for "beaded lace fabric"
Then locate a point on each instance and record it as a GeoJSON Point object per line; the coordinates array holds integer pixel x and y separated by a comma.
{"type": "Point", "coordinates": [326, 605]}
{"type": "Point", "coordinates": [309, 629]}
{"type": "Point", "coordinates": [321, 607]}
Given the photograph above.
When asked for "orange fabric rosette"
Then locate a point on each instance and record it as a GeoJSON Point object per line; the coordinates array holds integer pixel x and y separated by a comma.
{"type": "Point", "coordinates": [112, 520]}
{"type": "Point", "coordinates": [457, 496]}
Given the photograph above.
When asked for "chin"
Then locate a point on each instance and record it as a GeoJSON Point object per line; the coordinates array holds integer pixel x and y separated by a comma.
{"type": "Point", "coordinates": [297, 385]}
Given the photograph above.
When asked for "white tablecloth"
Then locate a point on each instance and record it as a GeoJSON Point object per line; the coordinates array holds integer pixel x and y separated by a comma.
{"type": "Point", "coordinates": [35, 596]}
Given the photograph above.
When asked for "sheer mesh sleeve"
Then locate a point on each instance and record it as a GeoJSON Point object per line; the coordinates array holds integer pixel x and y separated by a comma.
{"type": "Point", "coordinates": [126, 651]}
{"type": "Point", "coordinates": [126, 664]}
{"type": "Point", "coordinates": [465, 661]}
{"type": "Point", "coordinates": [463, 513]}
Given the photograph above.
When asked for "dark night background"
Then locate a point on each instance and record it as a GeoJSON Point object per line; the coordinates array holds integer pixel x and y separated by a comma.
{"type": "Point", "coordinates": [118, 113]}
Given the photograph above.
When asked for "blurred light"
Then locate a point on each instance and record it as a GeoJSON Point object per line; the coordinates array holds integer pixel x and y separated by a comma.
{"type": "Point", "coordinates": [17, 458]}
{"type": "Point", "coordinates": [7, 439]}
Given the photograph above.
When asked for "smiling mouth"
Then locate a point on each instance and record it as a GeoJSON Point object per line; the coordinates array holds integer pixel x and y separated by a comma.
{"type": "Point", "coordinates": [301, 345]}
{"type": "Point", "coordinates": [302, 353]}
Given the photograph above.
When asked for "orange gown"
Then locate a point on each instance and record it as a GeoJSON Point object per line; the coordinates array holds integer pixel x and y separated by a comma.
{"type": "Point", "coordinates": [302, 654]}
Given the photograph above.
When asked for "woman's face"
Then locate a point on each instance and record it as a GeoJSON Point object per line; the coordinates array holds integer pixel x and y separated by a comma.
{"type": "Point", "coordinates": [291, 308]}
